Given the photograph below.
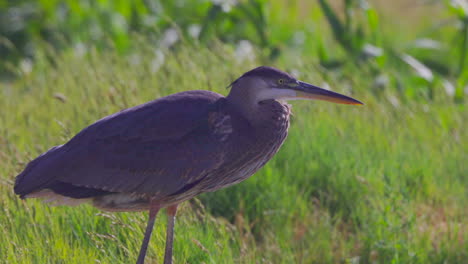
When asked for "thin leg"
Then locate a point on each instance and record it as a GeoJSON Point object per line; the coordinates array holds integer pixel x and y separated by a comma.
{"type": "Point", "coordinates": [171, 212]}
{"type": "Point", "coordinates": [154, 209]}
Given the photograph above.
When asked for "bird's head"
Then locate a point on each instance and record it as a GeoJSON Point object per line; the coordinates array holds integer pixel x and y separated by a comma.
{"type": "Point", "coordinates": [267, 83]}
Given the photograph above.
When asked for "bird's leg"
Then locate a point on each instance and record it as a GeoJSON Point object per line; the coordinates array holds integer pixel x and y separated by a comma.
{"type": "Point", "coordinates": [171, 212]}
{"type": "Point", "coordinates": [154, 209]}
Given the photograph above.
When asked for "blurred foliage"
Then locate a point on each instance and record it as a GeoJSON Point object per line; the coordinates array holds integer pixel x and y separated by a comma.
{"type": "Point", "coordinates": [351, 33]}
{"type": "Point", "coordinates": [435, 56]}
{"type": "Point", "coordinates": [60, 23]}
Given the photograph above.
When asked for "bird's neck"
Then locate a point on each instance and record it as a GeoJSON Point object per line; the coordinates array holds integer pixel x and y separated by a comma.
{"type": "Point", "coordinates": [273, 115]}
{"type": "Point", "coordinates": [269, 115]}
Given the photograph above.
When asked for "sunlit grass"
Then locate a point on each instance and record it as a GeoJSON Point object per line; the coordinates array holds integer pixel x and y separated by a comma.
{"type": "Point", "coordinates": [385, 182]}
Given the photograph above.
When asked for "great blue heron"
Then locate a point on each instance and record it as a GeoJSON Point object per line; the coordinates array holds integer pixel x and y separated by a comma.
{"type": "Point", "coordinates": [166, 151]}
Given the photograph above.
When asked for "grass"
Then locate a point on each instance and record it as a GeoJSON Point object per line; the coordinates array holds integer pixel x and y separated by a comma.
{"type": "Point", "coordinates": [383, 183]}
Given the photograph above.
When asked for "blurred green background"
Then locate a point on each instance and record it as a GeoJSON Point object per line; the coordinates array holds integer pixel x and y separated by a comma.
{"type": "Point", "coordinates": [427, 37]}
{"type": "Point", "coordinates": [383, 183]}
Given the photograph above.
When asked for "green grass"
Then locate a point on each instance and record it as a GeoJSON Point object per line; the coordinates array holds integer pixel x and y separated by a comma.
{"type": "Point", "coordinates": [383, 183]}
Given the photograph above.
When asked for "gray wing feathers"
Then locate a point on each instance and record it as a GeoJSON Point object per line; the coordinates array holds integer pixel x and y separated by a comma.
{"type": "Point", "coordinates": [155, 148]}
{"type": "Point", "coordinates": [149, 167]}
{"type": "Point", "coordinates": [32, 176]}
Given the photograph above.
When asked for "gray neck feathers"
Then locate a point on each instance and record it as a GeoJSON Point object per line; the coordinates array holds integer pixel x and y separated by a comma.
{"type": "Point", "coordinates": [268, 113]}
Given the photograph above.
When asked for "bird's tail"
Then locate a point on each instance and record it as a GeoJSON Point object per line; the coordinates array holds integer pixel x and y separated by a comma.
{"type": "Point", "coordinates": [38, 173]}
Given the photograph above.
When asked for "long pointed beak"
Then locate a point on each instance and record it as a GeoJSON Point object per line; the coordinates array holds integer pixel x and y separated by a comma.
{"type": "Point", "coordinates": [309, 91]}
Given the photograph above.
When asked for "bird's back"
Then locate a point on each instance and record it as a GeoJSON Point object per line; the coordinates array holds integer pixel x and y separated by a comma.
{"type": "Point", "coordinates": [134, 139]}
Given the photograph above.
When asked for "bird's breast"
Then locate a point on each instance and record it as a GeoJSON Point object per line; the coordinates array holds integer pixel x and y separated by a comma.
{"type": "Point", "coordinates": [250, 146]}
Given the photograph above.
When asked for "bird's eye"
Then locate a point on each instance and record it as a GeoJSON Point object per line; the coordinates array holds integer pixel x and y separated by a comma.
{"type": "Point", "coordinates": [281, 81]}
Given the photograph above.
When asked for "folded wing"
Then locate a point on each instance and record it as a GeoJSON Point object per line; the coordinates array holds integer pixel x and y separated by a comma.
{"type": "Point", "coordinates": [158, 148]}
